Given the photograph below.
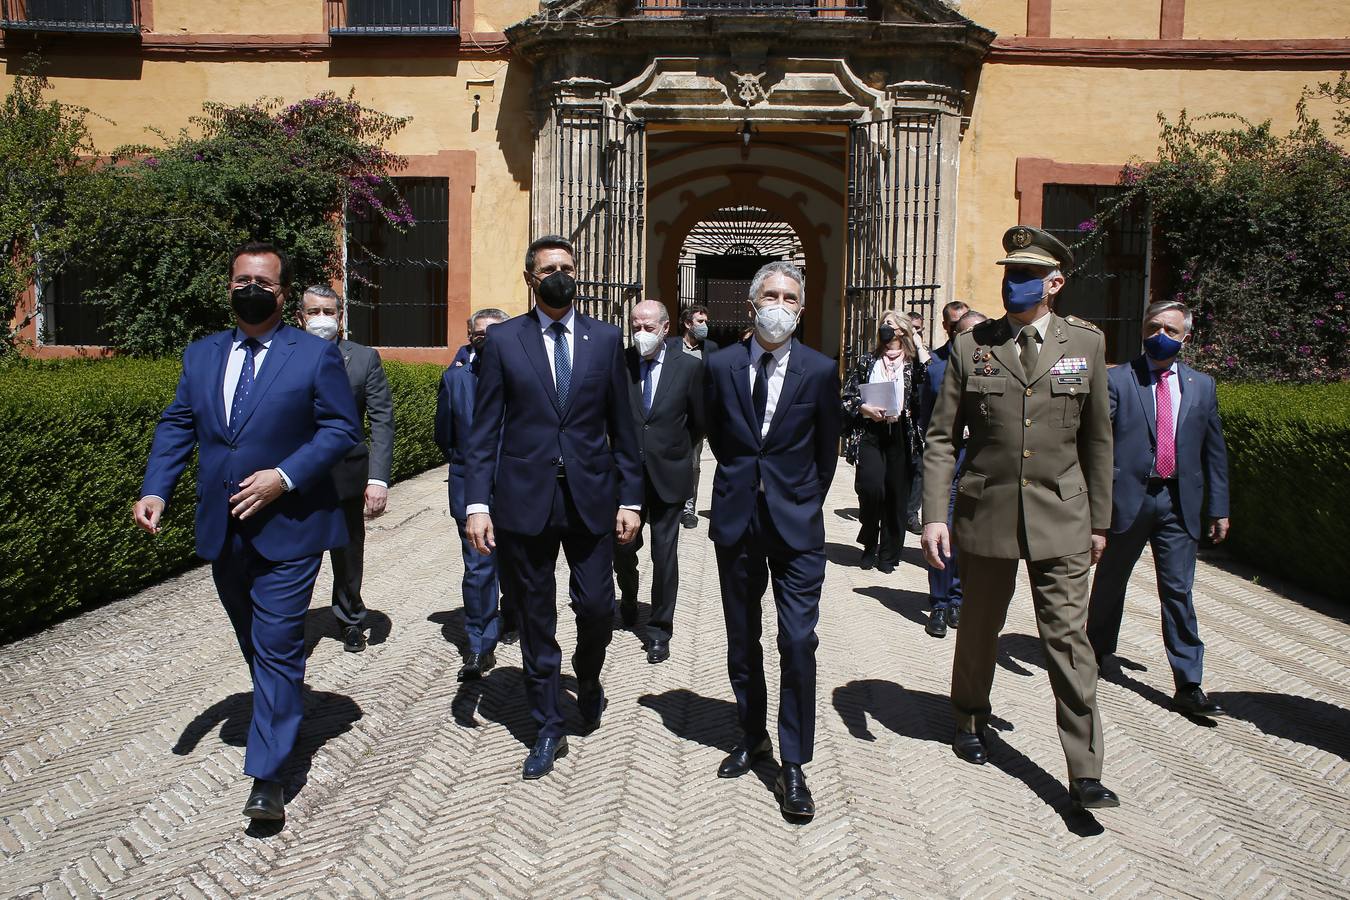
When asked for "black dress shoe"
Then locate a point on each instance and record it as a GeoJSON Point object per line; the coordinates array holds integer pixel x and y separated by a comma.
{"type": "Point", "coordinates": [658, 651]}
{"type": "Point", "coordinates": [1089, 793]}
{"type": "Point", "coordinates": [689, 519]}
{"type": "Point", "coordinates": [970, 747]}
{"type": "Point", "coordinates": [509, 635]}
{"type": "Point", "coordinates": [1193, 701]}
{"type": "Point", "coordinates": [794, 797]}
{"type": "Point", "coordinates": [743, 758]}
{"type": "Point", "coordinates": [937, 623]}
{"type": "Point", "coordinates": [540, 761]}
{"type": "Point", "coordinates": [592, 702]}
{"type": "Point", "coordinates": [869, 558]}
{"type": "Point", "coordinates": [475, 664]}
{"type": "Point", "coordinates": [628, 612]}
{"type": "Point", "coordinates": [914, 525]}
{"type": "Point", "coordinates": [885, 566]}
{"type": "Point", "coordinates": [266, 802]}
{"type": "Point", "coordinates": [353, 639]}
{"type": "Point", "coordinates": [953, 616]}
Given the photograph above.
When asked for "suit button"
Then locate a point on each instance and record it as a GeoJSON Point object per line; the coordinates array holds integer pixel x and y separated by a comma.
{"type": "Point", "coordinates": [1073, 390]}
{"type": "Point", "coordinates": [646, 427]}
{"type": "Point", "coordinates": [1028, 392]}
{"type": "Point", "coordinates": [1025, 482]}
{"type": "Point", "coordinates": [1026, 422]}
{"type": "Point", "coordinates": [1026, 454]}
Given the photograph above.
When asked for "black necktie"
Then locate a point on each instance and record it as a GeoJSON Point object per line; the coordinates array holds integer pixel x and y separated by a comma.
{"type": "Point", "coordinates": [760, 395]}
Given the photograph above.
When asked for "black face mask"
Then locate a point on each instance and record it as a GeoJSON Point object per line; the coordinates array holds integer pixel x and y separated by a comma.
{"type": "Point", "coordinates": [886, 333]}
{"type": "Point", "coordinates": [557, 290]}
{"type": "Point", "coordinates": [477, 343]}
{"type": "Point", "coordinates": [253, 303]}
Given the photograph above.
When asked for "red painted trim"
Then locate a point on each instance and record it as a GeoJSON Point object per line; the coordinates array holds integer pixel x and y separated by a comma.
{"type": "Point", "coordinates": [1038, 18]}
{"type": "Point", "coordinates": [461, 167]}
{"type": "Point", "coordinates": [1172, 20]}
{"type": "Point", "coordinates": [147, 15]}
{"type": "Point", "coordinates": [1034, 173]}
{"type": "Point", "coordinates": [1088, 51]}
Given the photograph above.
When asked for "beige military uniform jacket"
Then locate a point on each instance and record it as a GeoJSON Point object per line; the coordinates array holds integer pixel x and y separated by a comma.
{"type": "Point", "coordinates": [1042, 443]}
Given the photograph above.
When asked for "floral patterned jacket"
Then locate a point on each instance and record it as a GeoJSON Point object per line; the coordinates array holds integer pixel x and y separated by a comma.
{"type": "Point", "coordinates": [854, 423]}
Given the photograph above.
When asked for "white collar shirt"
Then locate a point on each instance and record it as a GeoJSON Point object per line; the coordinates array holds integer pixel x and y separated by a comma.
{"type": "Point", "coordinates": [777, 372]}
{"type": "Point", "coordinates": [655, 364]}
{"type": "Point", "coordinates": [234, 365]}
{"type": "Point", "coordinates": [568, 321]}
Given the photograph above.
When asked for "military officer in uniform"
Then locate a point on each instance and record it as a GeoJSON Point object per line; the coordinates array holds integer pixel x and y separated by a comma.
{"type": "Point", "coordinates": [1035, 486]}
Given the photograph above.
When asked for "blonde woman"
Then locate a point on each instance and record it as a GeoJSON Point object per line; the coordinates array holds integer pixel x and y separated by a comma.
{"type": "Point", "coordinates": [885, 449]}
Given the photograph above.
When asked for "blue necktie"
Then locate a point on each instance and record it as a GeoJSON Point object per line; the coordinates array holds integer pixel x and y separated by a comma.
{"type": "Point", "coordinates": [562, 362]}
{"type": "Point", "coordinates": [245, 384]}
{"type": "Point", "coordinates": [647, 384]}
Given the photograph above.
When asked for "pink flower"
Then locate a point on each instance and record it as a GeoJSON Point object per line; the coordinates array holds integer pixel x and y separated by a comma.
{"type": "Point", "coordinates": [1087, 225]}
{"type": "Point", "coordinates": [151, 161]}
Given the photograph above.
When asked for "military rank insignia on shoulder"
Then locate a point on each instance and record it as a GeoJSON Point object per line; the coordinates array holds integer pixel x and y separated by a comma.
{"type": "Point", "coordinates": [1081, 323]}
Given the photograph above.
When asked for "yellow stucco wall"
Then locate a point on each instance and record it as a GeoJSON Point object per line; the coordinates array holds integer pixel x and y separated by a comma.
{"type": "Point", "coordinates": [435, 92]}
{"type": "Point", "coordinates": [1260, 19]}
{"type": "Point", "coordinates": [1105, 18]}
{"type": "Point", "coordinates": [495, 15]}
{"type": "Point", "coordinates": [1083, 115]}
{"type": "Point", "coordinates": [1007, 17]}
{"type": "Point", "coordinates": [239, 16]}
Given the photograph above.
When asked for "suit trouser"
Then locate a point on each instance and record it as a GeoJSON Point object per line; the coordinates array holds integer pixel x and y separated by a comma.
{"type": "Point", "coordinates": [882, 484]}
{"type": "Point", "coordinates": [692, 503]}
{"type": "Point", "coordinates": [664, 520]}
{"type": "Point", "coordinates": [1059, 592]}
{"type": "Point", "coordinates": [267, 603]}
{"type": "Point", "coordinates": [944, 585]}
{"type": "Point", "coordinates": [744, 569]}
{"type": "Point", "coordinates": [1159, 525]}
{"type": "Point", "coordinates": [349, 565]}
{"type": "Point", "coordinates": [527, 567]}
{"type": "Point", "coordinates": [482, 622]}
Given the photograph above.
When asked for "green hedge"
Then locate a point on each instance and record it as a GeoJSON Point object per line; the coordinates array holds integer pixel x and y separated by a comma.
{"type": "Point", "coordinates": [1289, 473]}
{"type": "Point", "coordinates": [74, 436]}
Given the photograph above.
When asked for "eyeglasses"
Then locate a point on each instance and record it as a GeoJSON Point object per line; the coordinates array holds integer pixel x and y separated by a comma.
{"type": "Point", "coordinates": [239, 281]}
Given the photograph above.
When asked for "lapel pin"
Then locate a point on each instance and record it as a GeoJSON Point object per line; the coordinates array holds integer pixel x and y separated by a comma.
{"type": "Point", "coordinates": [585, 337]}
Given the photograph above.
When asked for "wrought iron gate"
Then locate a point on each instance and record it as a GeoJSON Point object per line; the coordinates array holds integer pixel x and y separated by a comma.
{"type": "Point", "coordinates": [894, 182]}
{"type": "Point", "coordinates": [600, 166]}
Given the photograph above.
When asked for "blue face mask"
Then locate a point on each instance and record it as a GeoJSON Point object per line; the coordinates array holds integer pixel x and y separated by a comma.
{"type": "Point", "coordinates": [1022, 291]}
{"type": "Point", "coordinates": [1161, 346]}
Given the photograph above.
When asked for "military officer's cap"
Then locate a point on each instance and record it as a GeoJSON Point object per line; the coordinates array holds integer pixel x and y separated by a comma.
{"type": "Point", "coordinates": [1027, 246]}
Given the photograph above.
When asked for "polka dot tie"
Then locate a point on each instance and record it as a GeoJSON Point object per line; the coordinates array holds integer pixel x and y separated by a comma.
{"type": "Point", "coordinates": [245, 385]}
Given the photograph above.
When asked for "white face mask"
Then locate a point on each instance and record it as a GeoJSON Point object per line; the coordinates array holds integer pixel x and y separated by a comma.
{"type": "Point", "coordinates": [775, 324]}
{"type": "Point", "coordinates": [646, 342]}
{"type": "Point", "coordinates": [325, 327]}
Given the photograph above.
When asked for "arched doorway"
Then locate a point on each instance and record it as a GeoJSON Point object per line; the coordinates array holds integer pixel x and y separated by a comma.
{"type": "Point", "coordinates": [720, 257]}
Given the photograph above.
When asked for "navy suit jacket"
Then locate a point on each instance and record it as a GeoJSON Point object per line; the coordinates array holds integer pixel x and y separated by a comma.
{"type": "Point", "coordinates": [1201, 455]}
{"type": "Point", "coordinates": [795, 460]}
{"type": "Point", "coordinates": [300, 417]}
{"type": "Point", "coordinates": [461, 356]}
{"type": "Point", "coordinates": [454, 420]}
{"type": "Point", "coordinates": [932, 384]}
{"type": "Point", "coordinates": [516, 409]}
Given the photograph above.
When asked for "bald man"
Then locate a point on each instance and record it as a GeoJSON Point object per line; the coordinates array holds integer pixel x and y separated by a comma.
{"type": "Point", "coordinates": [666, 391]}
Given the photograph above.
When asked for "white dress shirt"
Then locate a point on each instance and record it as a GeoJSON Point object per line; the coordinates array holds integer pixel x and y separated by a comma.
{"type": "Point", "coordinates": [1173, 391]}
{"type": "Point", "coordinates": [568, 321]}
{"type": "Point", "coordinates": [656, 364]}
{"type": "Point", "coordinates": [777, 372]}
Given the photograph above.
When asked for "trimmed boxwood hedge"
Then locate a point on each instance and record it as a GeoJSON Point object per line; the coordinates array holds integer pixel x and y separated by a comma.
{"type": "Point", "coordinates": [1289, 473]}
{"type": "Point", "coordinates": [74, 436]}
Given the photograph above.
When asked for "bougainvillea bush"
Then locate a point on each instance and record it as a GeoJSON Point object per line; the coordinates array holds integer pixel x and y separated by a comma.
{"type": "Point", "coordinates": [1252, 231]}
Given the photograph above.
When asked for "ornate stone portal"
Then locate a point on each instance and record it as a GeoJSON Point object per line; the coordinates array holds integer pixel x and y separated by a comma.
{"type": "Point", "coordinates": [901, 84]}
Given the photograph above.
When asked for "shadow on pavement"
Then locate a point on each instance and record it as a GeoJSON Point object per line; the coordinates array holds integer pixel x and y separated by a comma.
{"type": "Point", "coordinates": [1301, 719]}
{"type": "Point", "coordinates": [497, 697]}
{"type": "Point", "coordinates": [910, 604]}
{"type": "Point", "coordinates": [928, 717]}
{"type": "Point", "coordinates": [712, 723]}
{"type": "Point", "coordinates": [327, 716]}
{"type": "Point", "coordinates": [320, 623]}
{"type": "Point", "coordinates": [453, 627]}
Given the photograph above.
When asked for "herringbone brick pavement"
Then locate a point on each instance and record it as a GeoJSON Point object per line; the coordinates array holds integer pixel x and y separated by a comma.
{"type": "Point", "coordinates": [121, 737]}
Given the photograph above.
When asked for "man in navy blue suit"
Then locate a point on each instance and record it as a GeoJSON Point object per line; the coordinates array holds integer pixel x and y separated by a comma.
{"type": "Point", "coordinates": [1171, 466]}
{"type": "Point", "coordinates": [944, 585]}
{"type": "Point", "coordinates": [454, 422]}
{"type": "Point", "coordinates": [553, 461]}
{"type": "Point", "coordinates": [270, 412]}
{"type": "Point", "coordinates": [773, 421]}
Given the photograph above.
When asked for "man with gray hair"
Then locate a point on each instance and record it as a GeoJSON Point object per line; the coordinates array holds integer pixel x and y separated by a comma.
{"type": "Point", "coordinates": [1171, 468]}
{"type": "Point", "coordinates": [773, 418]}
{"type": "Point", "coordinates": [666, 394]}
{"type": "Point", "coordinates": [362, 477]}
{"type": "Point", "coordinates": [483, 626]}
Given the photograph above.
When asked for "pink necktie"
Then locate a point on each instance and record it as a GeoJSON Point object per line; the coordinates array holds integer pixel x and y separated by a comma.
{"type": "Point", "coordinates": [1167, 444]}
